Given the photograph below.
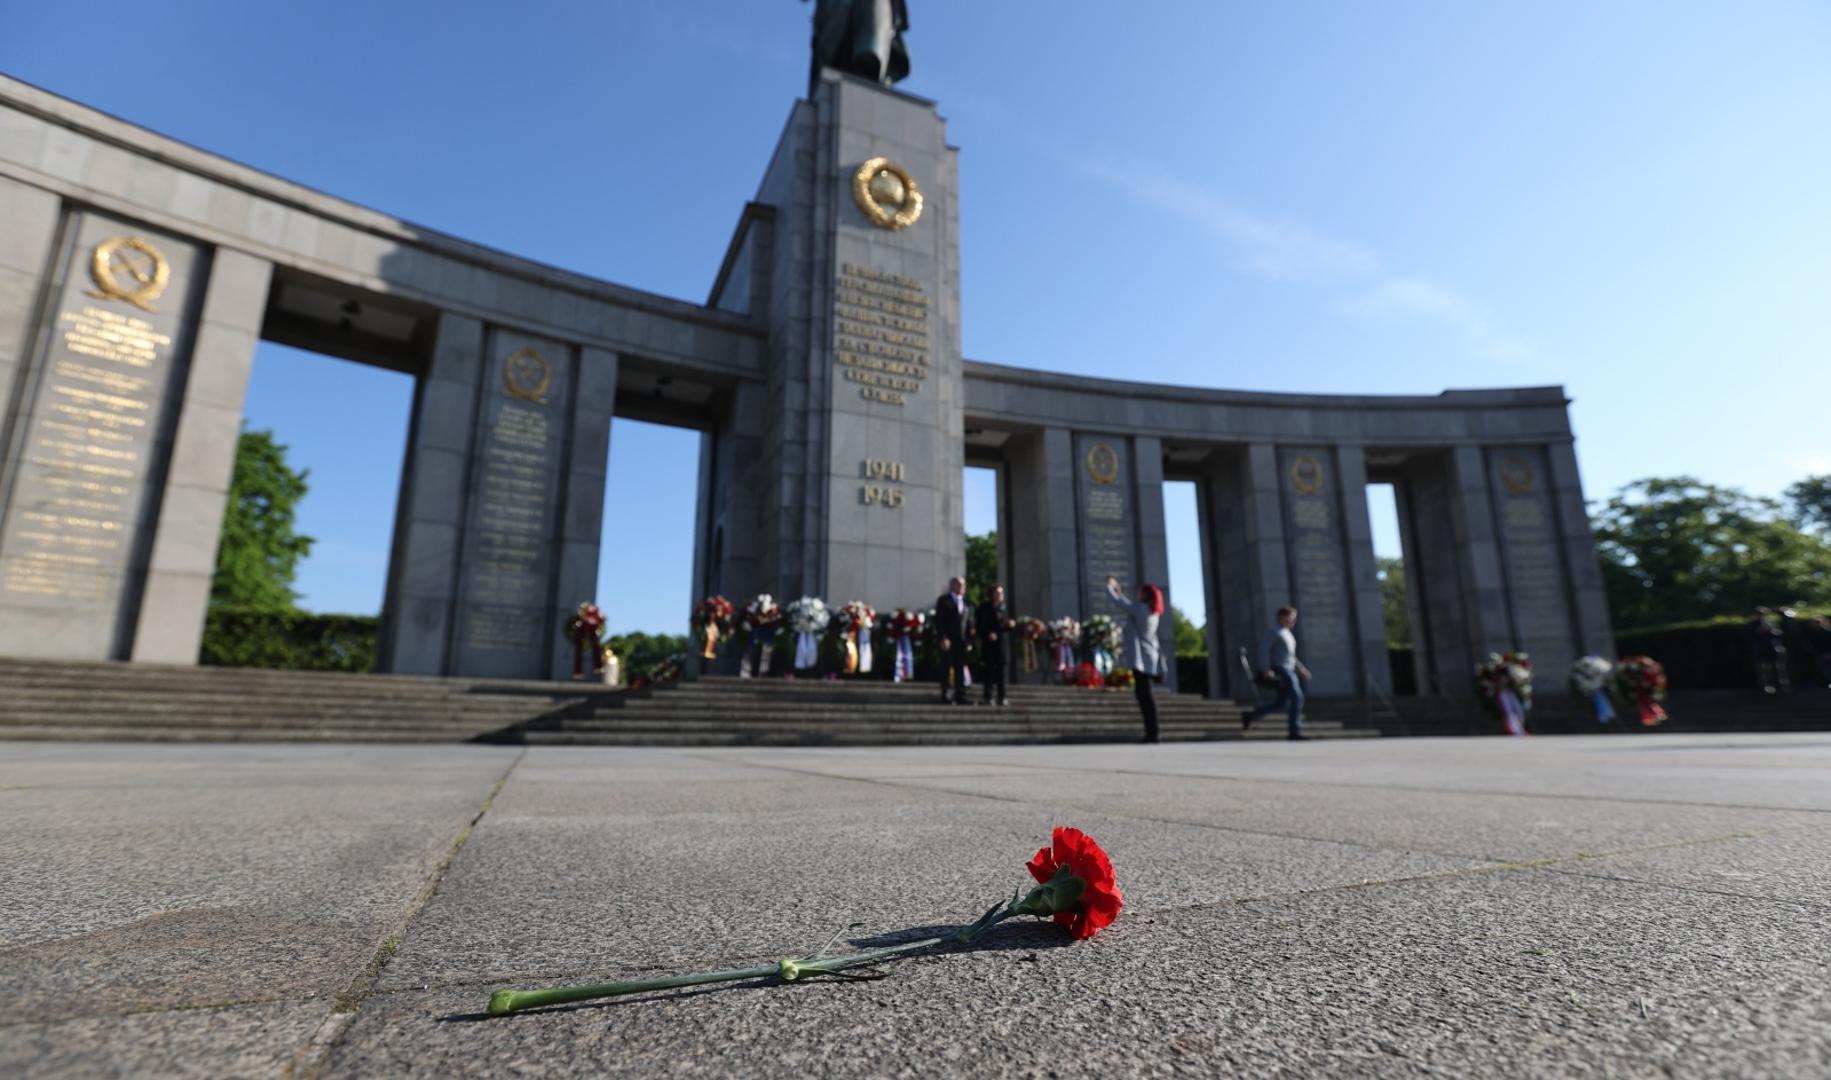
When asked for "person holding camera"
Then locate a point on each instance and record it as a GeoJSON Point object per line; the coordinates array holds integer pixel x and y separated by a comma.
{"type": "Point", "coordinates": [1140, 650]}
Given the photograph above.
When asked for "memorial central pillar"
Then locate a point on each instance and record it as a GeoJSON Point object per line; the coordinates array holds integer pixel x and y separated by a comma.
{"type": "Point", "coordinates": [864, 447]}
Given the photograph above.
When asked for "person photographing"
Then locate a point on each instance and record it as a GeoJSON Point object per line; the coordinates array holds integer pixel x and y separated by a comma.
{"type": "Point", "coordinates": [1140, 650]}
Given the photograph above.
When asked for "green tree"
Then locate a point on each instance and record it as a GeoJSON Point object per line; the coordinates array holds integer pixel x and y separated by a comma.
{"type": "Point", "coordinates": [981, 565]}
{"type": "Point", "coordinates": [1391, 573]}
{"type": "Point", "coordinates": [1676, 548]}
{"type": "Point", "coordinates": [642, 653]}
{"type": "Point", "coordinates": [260, 551]}
{"type": "Point", "coordinates": [1191, 640]}
{"type": "Point", "coordinates": [1811, 499]}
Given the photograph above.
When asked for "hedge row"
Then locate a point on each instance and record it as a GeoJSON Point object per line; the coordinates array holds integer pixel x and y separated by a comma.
{"type": "Point", "coordinates": [289, 641]}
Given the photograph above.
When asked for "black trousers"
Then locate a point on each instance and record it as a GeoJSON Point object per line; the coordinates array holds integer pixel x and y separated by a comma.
{"type": "Point", "coordinates": [953, 660]}
{"type": "Point", "coordinates": [1147, 704]}
{"type": "Point", "coordinates": [994, 665]}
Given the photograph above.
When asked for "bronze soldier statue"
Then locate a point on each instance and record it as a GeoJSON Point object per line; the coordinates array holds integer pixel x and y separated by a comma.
{"type": "Point", "coordinates": [861, 37]}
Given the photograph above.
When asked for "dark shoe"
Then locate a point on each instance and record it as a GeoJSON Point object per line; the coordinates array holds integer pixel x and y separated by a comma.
{"type": "Point", "coordinates": [1299, 737]}
{"type": "Point", "coordinates": [1246, 720]}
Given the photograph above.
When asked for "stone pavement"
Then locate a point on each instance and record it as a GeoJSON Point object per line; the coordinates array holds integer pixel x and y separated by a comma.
{"type": "Point", "coordinates": [1558, 906]}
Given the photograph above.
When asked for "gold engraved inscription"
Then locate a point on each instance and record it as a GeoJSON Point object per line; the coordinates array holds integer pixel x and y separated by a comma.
{"type": "Point", "coordinates": [89, 440]}
{"type": "Point", "coordinates": [880, 333]}
{"type": "Point", "coordinates": [883, 478]}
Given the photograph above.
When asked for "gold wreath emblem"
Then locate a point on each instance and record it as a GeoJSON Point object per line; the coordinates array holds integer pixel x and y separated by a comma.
{"type": "Point", "coordinates": [1103, 464]}
{"type": "Point", "coordinates": [128, 268]}
{"type": "Point", "coordinates": [527, 375]}
{"type": "Point", "coordinates": [1516, 474]}
{"type": "Point", "coordinates": [1306, 475]}
{"type": "Point", "coordinates": [887, 194]}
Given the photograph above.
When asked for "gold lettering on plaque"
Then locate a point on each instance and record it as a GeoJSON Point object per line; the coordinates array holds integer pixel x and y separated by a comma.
{"type": "Point", "coordinates": [880, 333]}
{"type": "Point", "coordinates": [1306, 475]}
{"type": "Point", "coordinates": [887, 194]}
{"type": "Point", "coordinates": [883, 491]}
{"type": "Point", "coordinates": [128, 268]}
{"type": "Point", "coordinates": [527, 375]}
{"type": "Point", "coordinates": [1102, 464]}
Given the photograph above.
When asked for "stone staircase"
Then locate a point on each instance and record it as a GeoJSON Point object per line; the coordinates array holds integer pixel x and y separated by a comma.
{"type": "Point", "coordinates": [723, 711]}
{"type": "Point", "coordinates": [43, 699]}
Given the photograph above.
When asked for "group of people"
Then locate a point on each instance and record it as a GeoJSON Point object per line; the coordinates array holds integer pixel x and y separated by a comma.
{"type": "Point", "coordinates": [957, 621]}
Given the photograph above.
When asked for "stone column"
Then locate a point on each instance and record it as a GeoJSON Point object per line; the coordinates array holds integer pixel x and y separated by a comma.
{"type": "Point", "coordinates": [1252, 568]}
{"type": "Point", "coordinates": [507, 624]}
{"type": "Point", "coordinates": [183, 562]}
{"type": "Point", "coordinates": [1045, 560]}
{"type": "Point", "coordinates": [1590, 614]}
{"type": "Point", "coordinates": [1209, 489]}
{"type": "Point", "coordinates": [1327, 632]}
{"type": "Point", "coordinates": [1153, 541]}
{"type": "Point", "coordinates": [99, 399]}
{"type": "Point", "coordinates": [418, 614]}
{"type": "Point", "coordinates": [1363, 571]}
{"type": "Point", "coordinates": [1484, 591]}
{"type": "Point", "coordinates": [582, 498]}
{"type": "Point", "coordinates": [28, 225]}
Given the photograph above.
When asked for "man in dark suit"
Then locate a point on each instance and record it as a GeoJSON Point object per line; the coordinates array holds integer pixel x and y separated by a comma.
{"type": "Point", "coordinates": [951, 619]}
{"type": "Point", "coordinates": [993, 622]}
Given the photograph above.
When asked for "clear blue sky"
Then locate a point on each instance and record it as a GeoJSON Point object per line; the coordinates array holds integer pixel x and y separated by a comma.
{"type": "Point", "coordinates": [1629, 199]}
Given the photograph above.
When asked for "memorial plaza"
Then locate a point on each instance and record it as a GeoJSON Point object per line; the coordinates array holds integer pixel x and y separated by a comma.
{"type": "Point", "coordinates": [213, 870]}
{"type": "Point", "coordinates": [1387, 908]}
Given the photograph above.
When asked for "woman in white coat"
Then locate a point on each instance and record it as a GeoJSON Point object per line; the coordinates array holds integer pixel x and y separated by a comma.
{"type": "Point", "coordinates": [1140, 650]}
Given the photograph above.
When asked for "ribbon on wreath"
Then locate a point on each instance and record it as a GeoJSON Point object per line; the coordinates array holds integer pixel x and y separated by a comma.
{"type": "Point", "coordinates": [1650, 711]}
{"type": "Point", "coordinates": [1103, 662]}
{"type": "Point", "coordinates": [758, 652]}
{"type": "Point", "coordinates": [1605, 709]}
{"type": "Point", "coordinates": [1029, 655]}
{"type": "Point", "coordinates": [1512, 712]}
{"type": "Point", "coordinates": [807, 650]}
{"type": "Point", "coordinates": [710, 652]}
{"type": "Point", "coordinates": [850, 639]}
{"type": "Point", "coordinates": [1064, 657]}
{"type": "Point", "coordinates": [864, 652]}
{"type": "Point", "coordinates": [905, 659]}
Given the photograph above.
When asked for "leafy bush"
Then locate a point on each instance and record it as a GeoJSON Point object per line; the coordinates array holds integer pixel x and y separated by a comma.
{"type": "Point", "coordinates": [1714, 654]}
{"type": "Point", "coordinates": [288, 641]}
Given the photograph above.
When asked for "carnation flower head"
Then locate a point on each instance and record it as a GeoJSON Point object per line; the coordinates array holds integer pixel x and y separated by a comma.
{"type": "Point", "coordinates": [1077, 884]}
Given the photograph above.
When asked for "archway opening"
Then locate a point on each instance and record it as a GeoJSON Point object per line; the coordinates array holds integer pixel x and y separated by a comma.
{"type": "Point", "coordinates": [1394, 578]}
{"type": "Point", "coordinates": [1187, 587]}
{"type": "Point", "coordinates": [648, 540]}
{"type": "Point", "coordinates": [304, 558]}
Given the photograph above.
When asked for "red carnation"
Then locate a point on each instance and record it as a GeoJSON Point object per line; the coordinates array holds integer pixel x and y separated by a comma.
{"type": "Point", "coordinates": [1085, 897]}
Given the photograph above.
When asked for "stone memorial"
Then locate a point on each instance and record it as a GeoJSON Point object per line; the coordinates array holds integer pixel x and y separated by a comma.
{"type": "Point", "coordinates": [823, 372]}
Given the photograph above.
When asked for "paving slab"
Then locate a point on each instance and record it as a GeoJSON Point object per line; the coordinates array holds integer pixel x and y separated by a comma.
{"type": "Point", "coordinates": [1512, 973]}
{"type": "Point", "coordinates": [138, 878]}
{"type": "Point", "coordinates": [573, 874]}
{"type": "Point", "coordinates": [247, 1040]}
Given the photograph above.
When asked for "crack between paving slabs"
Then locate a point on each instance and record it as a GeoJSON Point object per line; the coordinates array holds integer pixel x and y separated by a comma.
{"type": "Point", "coordinates": [1423, 789]}
{"type": "Point", "coordinates": [309, 1058]}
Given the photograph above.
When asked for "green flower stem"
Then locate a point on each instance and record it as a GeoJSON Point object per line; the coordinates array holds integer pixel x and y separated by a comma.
{"type": "Point", "coordinates": [1057, 894]}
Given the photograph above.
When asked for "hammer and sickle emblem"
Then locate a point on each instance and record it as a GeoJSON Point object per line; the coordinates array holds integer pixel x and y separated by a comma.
{"type": "Point", "coordinates": [128, 268]}
{"type": "Point", "coordinates": [527, 375]}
